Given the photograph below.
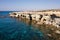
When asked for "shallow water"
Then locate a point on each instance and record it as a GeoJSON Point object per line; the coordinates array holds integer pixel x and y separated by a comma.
{"type": "Point", "coordinates": [14, 29]}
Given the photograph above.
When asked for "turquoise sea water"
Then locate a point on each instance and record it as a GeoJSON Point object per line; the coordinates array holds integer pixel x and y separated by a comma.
{"type": "Point", "coordinates": [13, 29]}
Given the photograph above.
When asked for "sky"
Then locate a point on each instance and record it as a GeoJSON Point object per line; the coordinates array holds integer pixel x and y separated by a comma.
{"type": "Point", "coordinates": [17, 5]}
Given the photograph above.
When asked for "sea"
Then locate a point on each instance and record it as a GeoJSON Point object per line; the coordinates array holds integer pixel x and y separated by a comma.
{"type": "Point", "coordinates": [14, 29]}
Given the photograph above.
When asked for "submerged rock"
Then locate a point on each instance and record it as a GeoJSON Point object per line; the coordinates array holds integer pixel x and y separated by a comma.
{"type": "Point", "coordinates": [49, 35]}
{"type": "Point", "coordinates": [57, 31]}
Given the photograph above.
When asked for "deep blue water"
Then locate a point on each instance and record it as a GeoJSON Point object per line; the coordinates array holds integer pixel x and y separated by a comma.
{"type": "Point", "coordinates": [12, 29]}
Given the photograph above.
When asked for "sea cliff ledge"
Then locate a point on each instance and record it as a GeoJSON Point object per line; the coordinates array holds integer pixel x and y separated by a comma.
{"type": "Point", "coordinates": [51, 17]}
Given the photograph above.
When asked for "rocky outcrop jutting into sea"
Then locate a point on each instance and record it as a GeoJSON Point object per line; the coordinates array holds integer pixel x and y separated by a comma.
{"type": "Point", "coordinates": [51, 17]}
